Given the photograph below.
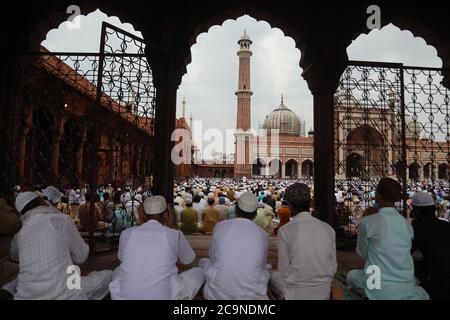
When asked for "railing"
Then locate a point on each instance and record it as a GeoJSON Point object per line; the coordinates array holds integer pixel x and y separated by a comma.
{"type": "Point", "coordinates": [393, 121]}
{"type": "Point", "coordinates": [84, 122]}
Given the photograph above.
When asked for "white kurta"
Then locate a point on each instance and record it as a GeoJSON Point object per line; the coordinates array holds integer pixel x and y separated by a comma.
{"type": "Point", "coordinates": [306, 259]}
{"type": "Point", "coordinates": [198, 207]}
{"type": "Point", "coordinates": [203, 203]}
{"type": "Point", "coordinates": [48, 244]}
{"type": "Point", "coordinates": [237, 268]}
{"type": "Point", "coordinates": [148, 255]}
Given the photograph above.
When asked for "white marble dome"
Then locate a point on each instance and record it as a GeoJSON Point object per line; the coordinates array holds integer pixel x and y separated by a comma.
{"type": "Point", "coordinates": [283, 119]}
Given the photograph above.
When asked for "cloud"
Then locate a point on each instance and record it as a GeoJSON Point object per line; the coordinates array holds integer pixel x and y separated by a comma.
{"type": "Point", "coordinates": [390, 44]}
{"type": "Point", "coordinates": [87, 37]}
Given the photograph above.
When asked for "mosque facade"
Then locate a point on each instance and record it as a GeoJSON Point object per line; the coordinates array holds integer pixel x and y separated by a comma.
{"type": "Point", "coordinates": [281, 148]}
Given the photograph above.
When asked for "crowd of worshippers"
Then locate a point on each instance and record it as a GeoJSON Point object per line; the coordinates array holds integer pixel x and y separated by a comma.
{"type": "Point", "coordinates": [38, 243]}
{"type": "Point", "coordinates": [115, 209]}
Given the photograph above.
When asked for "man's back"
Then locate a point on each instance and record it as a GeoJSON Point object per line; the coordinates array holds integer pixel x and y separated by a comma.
{"type": "Point", "coordinates": [48, 244]}
{"type": "Point", "coordinates": [384, 239]}
{"type": "Point", "coordinates": [210, 217]}
{"type": "Point", "coordinates": [223, 211]}
{"type": "Point", "coordinates": [189, 220]}
{"type": "Point", "coordinates": [238, 255]}
{"type": "Point", "coordinates": [306, 256]}
{"type": "Point", "coordinates": [285, 215]}
{"type": "Point", "coordinates": [199, 209]}
{"type": "Point", "coordinates": [148, 255]}
{"type": "Point", "coordinates": [432, 238]}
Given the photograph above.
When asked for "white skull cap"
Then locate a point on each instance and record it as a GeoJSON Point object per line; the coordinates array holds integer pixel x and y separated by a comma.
{"type": "Point", "coordinates": [155, 205]}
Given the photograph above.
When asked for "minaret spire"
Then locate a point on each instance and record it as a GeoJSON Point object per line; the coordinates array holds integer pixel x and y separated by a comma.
{"type": "Point", "coordinates": [242, 166]}
{"type": "Point", "coordinates": [183, 113]}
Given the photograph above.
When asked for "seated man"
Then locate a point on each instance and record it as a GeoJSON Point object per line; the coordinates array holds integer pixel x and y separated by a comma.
{"type": "Point", "coordinates": [264, 217]}
{"type": "Point", "coordinates": [210, 217]}
{"type": "Point", "coordinates": [306, 251]}
{"type": "Point", "coordinates": [9, 225]}
{"type": "Point", "coordinates": [237, 264]}
{"type": "Point", "coordinates": [222, 207]}
{"type": "Point", "coordinates": [432, 238]}
{"type": "Point", "coordinates": [188, 217]}
{"type": "Point", "coordinates": [149, 254]}
{"type": "Point", "coordinates": [284, 214]}
{"type": "Point", "coordinates": [84, 214]}
{"type": "Point", "coordinates": [48, 244]}
{"type": "Point", "coordinates": [384, 241]}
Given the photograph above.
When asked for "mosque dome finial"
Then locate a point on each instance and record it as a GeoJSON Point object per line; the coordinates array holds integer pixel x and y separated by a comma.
{"type": "Point", "coordinates": [283, 119]}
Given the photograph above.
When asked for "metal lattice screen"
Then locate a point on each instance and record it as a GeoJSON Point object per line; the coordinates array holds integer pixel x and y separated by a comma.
{"type": "Point", "coordinates": [84, 123]}
{"type": "Point", "coordinates": [390, 121]}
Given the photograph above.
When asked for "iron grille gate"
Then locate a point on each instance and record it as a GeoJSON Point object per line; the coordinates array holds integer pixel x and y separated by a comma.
{"type": "Point", "coordinates": [391, 120]}
{"type": "Point", "coordinates": [84, 122]}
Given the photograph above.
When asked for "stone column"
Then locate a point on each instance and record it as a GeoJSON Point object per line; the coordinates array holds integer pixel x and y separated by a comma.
{"type": "Point", "coordinates": [341, 133]}
{"type": "Point", "coordinates": [322, 75]}
{"type": "Point", "coordinates": [27, 125]}
{"type": "Point", "coordinates": [80, 155]}
{"type": "Point", "coordinates": [138, 160]}
{"type": "Point", "coordinates": [283, 171]}
{"type": "Point", "coordinates": [166, 85]}
{"type": "Point", "coordinates": [60, 121]}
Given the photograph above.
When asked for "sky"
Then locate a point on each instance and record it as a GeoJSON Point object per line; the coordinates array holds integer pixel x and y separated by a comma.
{"type": "Point", "coordinates": [211, 80]}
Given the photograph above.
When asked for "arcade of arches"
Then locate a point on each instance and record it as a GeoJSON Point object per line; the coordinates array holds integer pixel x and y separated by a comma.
{"type": "Point", "coordinates": [173, 29]}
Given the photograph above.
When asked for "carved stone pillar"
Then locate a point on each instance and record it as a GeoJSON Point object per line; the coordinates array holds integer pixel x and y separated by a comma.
{"type": "Point", "coordinates": [80, 155]}
{"type": "Point", "coordinates": [322, 75]}
{"type": "Point", "coordinates": [27, 125]}
{"type": "Point", "coordinates": [60, 121]}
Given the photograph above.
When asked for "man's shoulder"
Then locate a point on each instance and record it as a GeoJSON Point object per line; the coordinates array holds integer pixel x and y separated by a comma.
{"type": "Point", "coordinates": [223, 224]}
{"type": "Point", "coordinates": [294, 224]}
{"type": "Point", "coordinates": [371, 219]}
{"type": "Point", "coordinates": [130, 230]}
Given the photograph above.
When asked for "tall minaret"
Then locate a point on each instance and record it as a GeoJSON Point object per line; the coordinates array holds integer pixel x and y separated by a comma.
{"type": "Point", "coordinates": [183, 111]}
{"type": "Point", "coordinates": [242, 166]}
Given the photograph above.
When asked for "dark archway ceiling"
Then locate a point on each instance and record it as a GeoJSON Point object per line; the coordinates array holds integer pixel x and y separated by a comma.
{"type": "Point", "coordinates": [320, 29]}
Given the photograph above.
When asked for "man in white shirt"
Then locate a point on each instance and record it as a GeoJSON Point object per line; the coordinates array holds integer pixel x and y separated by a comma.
{"type": "Point", "coordinates": [47, 247]}
{"type": "Point", "coordinates": [237, 264]}
{"type": "Point", "coordinates": [222, 208]}
{"type": "Point", "coordinates": [198, 207]}
{"type": "Point", "coordinates": [306, 252]}
{"type": "Point", "coordinates": [149, 254]}
{"type": "Point", "coordinates": [178, 209]}
{"type": "Point", "coordinates": [180, 200]}
{"type": "Point", "coordinates": [203, 202]}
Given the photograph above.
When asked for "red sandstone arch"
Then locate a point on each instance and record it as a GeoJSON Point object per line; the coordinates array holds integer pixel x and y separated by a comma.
{"type": "Point", "coordinates": [234, 13]}
{"type": "Point", "coordinates": [414, 171]}
{"type": "Point", "coordinates": [52, 15]}
{"type": "Point", "coordinates": [369, 141]}
{"type": "Point", "coordinates": [291, 168]}
{"type": "Point", "coordinates": [257, 166]}
{"type": "Point", "coordinates": [443, 171]}
{"type": "Point", "coordinates": [417, 28]}
{"type": "Point", "coordinates": [308, 168]}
